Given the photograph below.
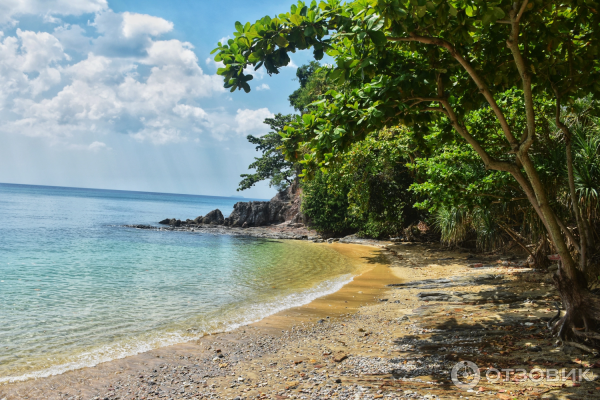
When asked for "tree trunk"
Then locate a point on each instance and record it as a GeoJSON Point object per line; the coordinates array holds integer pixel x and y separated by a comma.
{"type": "Point", "coordinates": [575, 203]}
{"type": "Point", "coordinates": [581, 321]}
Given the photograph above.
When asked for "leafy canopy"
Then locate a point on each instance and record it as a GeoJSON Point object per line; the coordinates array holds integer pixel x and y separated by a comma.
{"type": "Point", "coordinates": [395, 56]}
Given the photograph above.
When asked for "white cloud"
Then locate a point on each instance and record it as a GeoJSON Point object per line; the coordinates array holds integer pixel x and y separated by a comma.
{"type": "Point", "coordinates": [47, 8]}
{"type": "Point", "coordinates": [97, 146]}
{"type": "Point", "coordinates": [38, 50]}
{"type": "Point", "coordinates": [93, 147]}
{"type": "Point", "coordinates": [159, 135]}
{"type": "Point", "coordinates": [142, 24]}
{"type": "Point", "coordinates": [252, 120]}
{"type": "Point", "coordinates": [29, 64]}
{"type": "Point", "coordinates": [186, 111]}
{"type": "Point", "coordinates": [69, 86]}
{"type": "Point", "coordinates": [264, 86]}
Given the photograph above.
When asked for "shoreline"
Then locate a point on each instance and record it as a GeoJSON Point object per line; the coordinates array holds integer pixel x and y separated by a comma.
{"type": "Point", "coordinates": [415, 313]}
{"type": "Point", "coordinates": [283, 231]}
{"type": "Point", "coordinates": [302, 313]}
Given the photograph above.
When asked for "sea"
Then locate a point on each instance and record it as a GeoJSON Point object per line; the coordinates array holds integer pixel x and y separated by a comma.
{"type": "Point", "coordinates": [78, 288]}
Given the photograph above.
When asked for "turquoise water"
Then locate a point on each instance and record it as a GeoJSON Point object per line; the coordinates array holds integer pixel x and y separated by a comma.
{"type": "Point", "coordinates": [77, 288]}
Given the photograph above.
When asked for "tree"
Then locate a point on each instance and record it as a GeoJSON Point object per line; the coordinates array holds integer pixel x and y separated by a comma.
{"type": "Point", "coordinates": [272, 165]}
{"type": "Point", "coordinates": [416, 62]}
{"type": "Point", "coordinates": [312, 85]}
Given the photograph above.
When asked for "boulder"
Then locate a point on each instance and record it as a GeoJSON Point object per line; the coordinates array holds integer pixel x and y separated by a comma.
{"type": "Point", "coordinates": [165, 222]}
{"type": "Point", "coordinates": [215, 217]}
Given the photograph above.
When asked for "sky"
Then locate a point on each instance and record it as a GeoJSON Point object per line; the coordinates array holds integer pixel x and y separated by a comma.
{"type": "Point", "coordinates": [124, 95]}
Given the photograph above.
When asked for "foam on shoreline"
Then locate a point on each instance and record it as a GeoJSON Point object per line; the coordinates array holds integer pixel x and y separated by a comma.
{"type": "Point", "coordinates": [252, 314]}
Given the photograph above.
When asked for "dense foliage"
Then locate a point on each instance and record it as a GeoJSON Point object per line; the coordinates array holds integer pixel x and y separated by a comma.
{"type": "Point", "coordinates": [476, 81]}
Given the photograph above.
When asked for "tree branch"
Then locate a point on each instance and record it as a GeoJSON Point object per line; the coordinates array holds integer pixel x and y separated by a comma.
{"type": "Point", "coordinates": [522, 10]}
{"type": "Point", "coordinates": [471, 71]}
{"type": "Point", "coordinates": [583, 232]}
{"type": "Point", "coordinates": [437, 109]}
{"type": "Point", "coordinates": [513, 44]}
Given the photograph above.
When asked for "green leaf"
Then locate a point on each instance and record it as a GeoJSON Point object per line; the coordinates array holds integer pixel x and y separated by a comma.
{"type": "Point", "coordinates": [377, 26]}
{"type": "Point", "coordinates": [378, 37]}
{"type": "Point", "coordinates": [296, 19]}
{"type": "Point", "coordinates": [498, 13]}
{"type": "Point", "coordinates": [280, 41]}
{"type": "Point", "coordinates": [309, 31]}
{"type": "Point", "coordinates": [239, 27]}
{"type": "Point", "coordinates": [246, 87]}
{"type": "Point", "coordinates": [470, 11]}
{"type": "Point", "coordinates": [254, 57]}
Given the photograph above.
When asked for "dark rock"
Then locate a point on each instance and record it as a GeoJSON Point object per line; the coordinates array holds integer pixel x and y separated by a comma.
{"type": "Point", "coordinates": [141, 226]}
{"type": "Point", "coordinates": [215, 217]}
{"type": "Point", "coordinates": [285, 206]}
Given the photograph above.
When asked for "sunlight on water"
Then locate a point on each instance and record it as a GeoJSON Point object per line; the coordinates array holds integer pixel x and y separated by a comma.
{"type": "Point", "coordinates": [76, 288]}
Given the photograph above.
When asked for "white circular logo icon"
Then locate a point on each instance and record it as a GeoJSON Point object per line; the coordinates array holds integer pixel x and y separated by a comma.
{"type": "Point", "coordinates": [465, 375]}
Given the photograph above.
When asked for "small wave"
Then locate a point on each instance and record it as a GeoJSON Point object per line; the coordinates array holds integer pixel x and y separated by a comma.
{"type": "Point", "coordinates": [250, 314]}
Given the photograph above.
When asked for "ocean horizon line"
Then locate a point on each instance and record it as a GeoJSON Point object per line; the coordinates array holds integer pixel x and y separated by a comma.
{"type": "Point", "coordinates": [130, 191]}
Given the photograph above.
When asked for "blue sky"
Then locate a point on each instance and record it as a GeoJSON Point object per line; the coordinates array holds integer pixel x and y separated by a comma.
{"type": "Point", "coordinates": [123, 95]}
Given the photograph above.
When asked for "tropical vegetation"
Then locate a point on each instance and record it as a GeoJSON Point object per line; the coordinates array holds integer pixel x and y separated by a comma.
{"type": "Point", "coordinates": [494, 101]}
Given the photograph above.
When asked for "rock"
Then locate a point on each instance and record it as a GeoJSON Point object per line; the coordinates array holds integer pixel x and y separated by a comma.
{"type": "Point", "coordinates": [165, 222]}
{"type": "Point", "coordinates": [141, 226]}
{"type": "Point", "coordinates": [285, 206]}
{"type": "Point", "coordinates": [339, 357]}
{"type": "Point", "coordinates": [198, 220]}
{"type": "Point", "coordinates": [215, 217]}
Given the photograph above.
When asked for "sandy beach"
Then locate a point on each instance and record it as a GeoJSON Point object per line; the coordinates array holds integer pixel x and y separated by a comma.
{"type": "Point", "coordinates": [396, 331]}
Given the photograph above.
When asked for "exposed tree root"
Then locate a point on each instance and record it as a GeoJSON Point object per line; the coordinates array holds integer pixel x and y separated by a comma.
{"type": "Point", "coordinates": [582, 347]}
{"type": "Point", "coordinates": [587, 335]}
{"type": "Point", "coordinates": [581, 322]}
{"type": "Point", "coordinates": [557, 316]}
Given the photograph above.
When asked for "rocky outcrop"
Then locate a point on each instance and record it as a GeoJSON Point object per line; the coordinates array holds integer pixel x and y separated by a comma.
{"type": "Point", "coordinates": [284, 207]}
{"type": "Point", "coordinates": [215, 217]}
{"type": "Point", "coordinates": [172, 222]}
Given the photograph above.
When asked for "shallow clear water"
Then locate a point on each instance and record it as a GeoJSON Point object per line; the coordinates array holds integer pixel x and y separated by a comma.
{"type": "Point", "coordinates": [77, 288]}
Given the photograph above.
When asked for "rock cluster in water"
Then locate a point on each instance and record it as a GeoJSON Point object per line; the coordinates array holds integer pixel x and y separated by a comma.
{"type": "Point", "coordinates": [285, 206]}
